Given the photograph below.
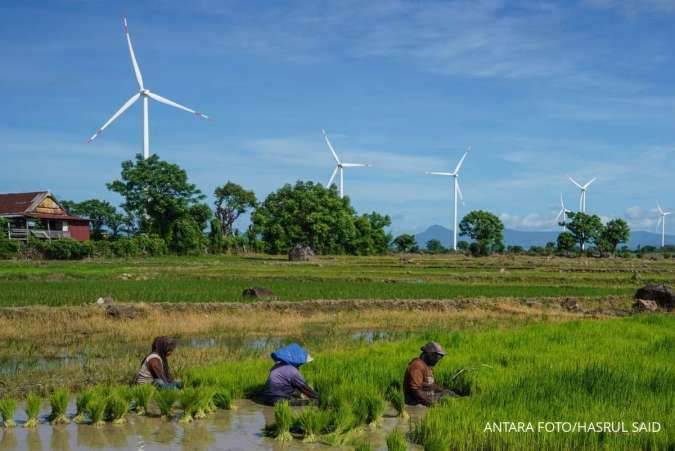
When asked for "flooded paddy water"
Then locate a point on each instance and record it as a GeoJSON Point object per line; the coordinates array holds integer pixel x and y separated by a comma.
{"type": "Point", "coordinates": [240, 429]}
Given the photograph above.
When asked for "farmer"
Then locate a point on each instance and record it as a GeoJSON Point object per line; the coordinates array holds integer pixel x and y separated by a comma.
{"type": "Point", "coordinates": [155, 366]}
{"type": "Point", "coordinates": [285, 381]}
{"type": "Point", "coordinates": [419, 385]}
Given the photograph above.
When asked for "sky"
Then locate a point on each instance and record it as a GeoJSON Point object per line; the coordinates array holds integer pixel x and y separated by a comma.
{"type": "Point", "coordinates": [540, 90]}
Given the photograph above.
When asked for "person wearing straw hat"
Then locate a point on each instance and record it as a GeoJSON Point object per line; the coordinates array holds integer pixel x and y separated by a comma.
{"type": "Point", "coordinates": [419, 385]}
{"type": "Point", "coordinates": [285, 383]}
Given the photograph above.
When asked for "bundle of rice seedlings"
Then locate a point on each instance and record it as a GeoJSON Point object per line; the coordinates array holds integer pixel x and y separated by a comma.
{"type": "Point", "coordinates": [204, 402]}
{"type": "Point", "coordinates": [375, 406]}
{"type": "Point", "coordinates": [7, 409]}
{"type": "Point", "coordinates": [96, 409]}
{"type": "Point", "coordinates": [312, 421]}
{"type": "Point", "coordinates": [395, 397]}
{"type": "Point", "coordinates": [283, 420]}
{"type": "Point", "coordinates": [33, 403]}
{"type": "Point", "coordinates": [116, 408]}
{"type": "Point", "coordinates": [59, 404]}
{"type": "Point", "coordinates": [222, 399]}
{"type": "Point", "coordinates": [363, 446]}
{"type": "Point", "coordinates": [142, 396]}
{"type": "Point", "coordinates": [81, 406]}
{"type": "Point", "coordinates": [188, 400]}
{"type": "Point", "coordinates": [165, 399]}
{"type": "Point", "coordinates": [396, 441]}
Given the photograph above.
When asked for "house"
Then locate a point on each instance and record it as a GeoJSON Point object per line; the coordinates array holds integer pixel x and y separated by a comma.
{"type": "Point", "coordinates": [39, 215]}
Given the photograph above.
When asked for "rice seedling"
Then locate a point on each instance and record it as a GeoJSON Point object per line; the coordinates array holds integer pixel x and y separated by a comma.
{"type": "Point", "coordinates": [396, 441]}
{"type": "Point", "coordinates": [283, 420]}
{"type": "Point", "coordinates": [395, 396]}
{"type": "Point", "coordinates": [33, 403]}
{"type": "Point", "coordinates": [7, 409]}
{"type": "Point", "coordinates": [81, 406]}
{"type": "Point", "coordinates": [311, 421]}
{"type": "Point", "coordinates": [375, 408]}
{"type": "Point", "coordinates": [189, 399]}
{"type": "Point", "coordinates": [204, 402]}
{"type": "Point", "coordinates": [116, 408]}
{"type": "Point", "coordinates": [59, 405]}
{"type": "Point", "coordinates": [364, 446]}
{"type": "Point", "coordinates": [165, 399]}
{"type": "Point", "coordinates": [96, 409]}
{"type": "Point", "coordinates": [142, 395]}
{"type": "Point", "coordinates": [222, 399]}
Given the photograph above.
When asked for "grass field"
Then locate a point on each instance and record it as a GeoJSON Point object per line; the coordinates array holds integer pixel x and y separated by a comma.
{"type": "Point", "coordinates": [222, 279]}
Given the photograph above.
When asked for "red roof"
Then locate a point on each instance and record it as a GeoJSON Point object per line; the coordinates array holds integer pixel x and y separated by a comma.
{"type": "Point", "coordinates": [17, 203]}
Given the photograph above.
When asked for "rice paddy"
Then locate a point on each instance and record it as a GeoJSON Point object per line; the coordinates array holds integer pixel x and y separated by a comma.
{"type": "Point", "coordinates": [517, 352]}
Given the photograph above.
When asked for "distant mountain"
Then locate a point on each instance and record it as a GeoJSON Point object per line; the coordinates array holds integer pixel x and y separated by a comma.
{"type": "Point", "coordinates": [527, 239]}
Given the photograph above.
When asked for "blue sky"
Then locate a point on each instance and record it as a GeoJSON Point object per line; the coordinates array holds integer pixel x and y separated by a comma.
{"type": "Point", "coordinates": [540, 90]}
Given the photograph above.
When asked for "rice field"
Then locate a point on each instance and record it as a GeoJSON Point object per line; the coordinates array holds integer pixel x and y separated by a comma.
{"type": "Point", "coordinates": [222, 279]}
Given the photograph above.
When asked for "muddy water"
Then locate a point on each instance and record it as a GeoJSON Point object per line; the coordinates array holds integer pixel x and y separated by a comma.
{"type": "Point", "coordinates": [239, 429]}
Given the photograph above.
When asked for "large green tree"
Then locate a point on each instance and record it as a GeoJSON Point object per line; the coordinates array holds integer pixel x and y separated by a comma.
{"type": "Point", "coordinates": [585, 228]}
{"type": "Point", "coordinates": [307, 213]}
{"type": "Point", "coordinates": [566, 242]}
{"type": "Point", "coordinates": [435, 246]}
{"type": "Point", "coordinates": [615, 232]}
{"type": "Point", "coordinates": [485, 229]}
{"type": "Point", "coordinates": [405, 243]}
{"type": "Point", "coordinates": [101, 214]}
{"type": "Point", "coordinates": [156, 194]}
{"type": "Point", "coordinates": [231, 202]}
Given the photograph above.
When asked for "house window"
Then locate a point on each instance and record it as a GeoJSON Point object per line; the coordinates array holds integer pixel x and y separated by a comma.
{"type": "Point", "coordinates": [65, 226]}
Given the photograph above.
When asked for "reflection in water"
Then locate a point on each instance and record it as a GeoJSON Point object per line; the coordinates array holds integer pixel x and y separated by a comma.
{"type": "Point", "coordinates": [60, 440]}
{"type": "Point", "coordinates": [8, 440]}
{"type": "Point", "coordinates": [33, 441]}
{"type": "Point", "coordinates": [197, 437]}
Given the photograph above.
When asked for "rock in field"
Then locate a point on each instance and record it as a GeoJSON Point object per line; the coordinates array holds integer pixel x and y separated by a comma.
{"type": "Point", "coordinates": [122, 311]}
{"type": "Point", "coordinates": [257, 292]}
{"type": "Point", "coordinates": [642, 305]}
{"type": "Point", "coordinates": [661, 294]}
{"type": "Point", "coordinates": [301, 253]}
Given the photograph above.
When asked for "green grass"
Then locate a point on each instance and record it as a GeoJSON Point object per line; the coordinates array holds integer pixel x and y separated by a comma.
{"type": "Point", "coordinates": [222, 279]}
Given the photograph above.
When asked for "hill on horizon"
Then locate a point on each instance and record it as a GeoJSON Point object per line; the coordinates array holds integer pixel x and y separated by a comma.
{"type": "Point", "coordinates": [527, 239]}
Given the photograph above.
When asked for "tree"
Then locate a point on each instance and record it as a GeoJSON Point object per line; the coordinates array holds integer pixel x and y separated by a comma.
{"type": "Point", "coordinates": [231, 202]}
{"type": "Point", "coordinates": [435, 246]}
{"type": "Point", "coordinates": [485, 229]}
{"type": "Point", "coordinates": [156, 194]}
{"type": "Point", "coordinates": [100, 213]}
{"type": "Point", "coordinates": [307, 213]}
{"type": "Point", "coordinates": [566, 242]}
{"type": "Point", "coordinates": [405, 243]}
{"type": "Point", "coordinates": [185, 237]}
{"type": "Point", "coordinates": [615, 232]}
{"type": "Point", "coordinates": [201, 214]}
{"type": "Point", "coordinates": [585, 228]}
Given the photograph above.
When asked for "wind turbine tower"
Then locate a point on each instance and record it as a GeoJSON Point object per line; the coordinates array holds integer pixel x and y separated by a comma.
{"type": "Point", "coordinates": [145, 94]}
{"type": "Point", "coordinates": [662, 221]}
{"type": "Point", "coordinates": [339, 166]}
{"type": "Point", "coordinates": [563, 212]}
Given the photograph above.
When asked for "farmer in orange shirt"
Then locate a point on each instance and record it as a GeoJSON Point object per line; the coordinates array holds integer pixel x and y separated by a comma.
{"type": "Point", "coordinates": [419, 385]}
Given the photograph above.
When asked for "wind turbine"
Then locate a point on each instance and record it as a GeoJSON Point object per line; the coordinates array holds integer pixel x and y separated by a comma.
{"type": "Point", "coordinates": [583, 188]}
{"type": "Point", "coordinates": [662, 221]}
{"type": "Point", "coordinates": [563, 211]}
{"type": "Point", "coordinates": [456, 191]}
{"type": "Point", "coordinates": [145, 94]}
{"type": "Point", "coordinates": [340, 166]}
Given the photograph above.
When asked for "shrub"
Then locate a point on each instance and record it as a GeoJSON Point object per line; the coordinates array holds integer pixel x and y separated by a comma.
{"type": "Point", "coordinates": [165, 399]}
{"type": "Point", "coordinates": [7, 409]}
{"type": "Point", "coordinates": [65, 249]}
{"type": "Point", "coordinates": [33, 403]}
{"type": "Point", "coordinates": [59, 404]}
{"type": "Point", "coordinates": [396, 441]}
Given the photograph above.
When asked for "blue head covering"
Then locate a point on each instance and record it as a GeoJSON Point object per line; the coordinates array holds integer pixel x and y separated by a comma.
{"type": "Point", "coordinates": [293, 354]}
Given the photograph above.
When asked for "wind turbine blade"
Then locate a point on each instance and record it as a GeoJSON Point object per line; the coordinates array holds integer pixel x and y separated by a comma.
{"type": "Point", "coordinates": [658, 206]}
{"type": "Point", "coordinates": [574, 181]}
{"type": "Point", "coordinates": [330, 146]}
{"type": "Point", "coordinates": [459, 192]}
{"type": "Point", "coordinates": [557, 218]}
{"type": "Point", "coordinates": [459, 165]}
{"type": "Point", "coordinates": [355, 165]}
{"type": "Point", "coordinates": [658, 222]}
{"type": "Point", "coordinates": [447, 174]}
{"type": "Point", "coordinates": [332, 177]}
{"type": "Point", "coordinates": [125, 107]}
{"type": "Point", "coordinates": [137, 70]}
{"type": "Point", "coordinates": [589, 183]}
{"type": "Point", "coordinates": [166, 101]}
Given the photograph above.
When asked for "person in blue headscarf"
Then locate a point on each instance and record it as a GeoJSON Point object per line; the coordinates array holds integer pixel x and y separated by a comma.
{"type": "Point", "coordinates": [285, 383]}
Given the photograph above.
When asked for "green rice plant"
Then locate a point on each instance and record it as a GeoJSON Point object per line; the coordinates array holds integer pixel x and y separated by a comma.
{"type": "Point", "coordinates": [204, 402]}
{"type": "Point", "coordinates": [283, 420]}
{"type": "Point", "coordinates": [116, 408]}
{"type": "Point", "coordinates": [222, 398]}
{"type": "Point", "coordinates": [165, 399]}
{"type": "Point", "coordinates": [81, 405]}
{"type": "Point", "coordinates": [59, 405]}
{"type": "Point", "coordinates": [7, 409]}
{"type": "Point", "coordinates": [375, 405]}
{"type": "Point", "coordinates": [311, 421]}
{"type": "Point", "coordinates": [96, 407]}
{"type": "Point", "coordinates": [396, 441]}
{"type": "Point", "coordinates": [142, 395]}
{"type": "Point", "coordinates": [363, 446]}
{"type": "Point", "coordinates": [395, 396]}
{"type": "Point", "coordinates": [189, 399]}
{"type": "Point", "coordinates": [33, 403]}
